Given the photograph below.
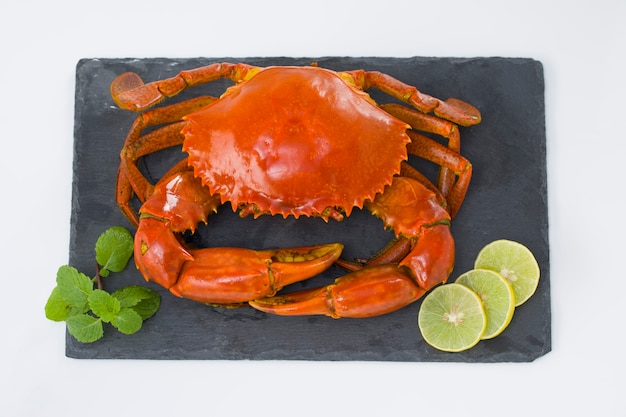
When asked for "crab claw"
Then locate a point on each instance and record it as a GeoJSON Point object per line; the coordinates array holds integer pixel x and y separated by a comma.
{"type": "Point", "coordinates": [235, 275]}
{"type": "Point", "coordinates": [369, 292]}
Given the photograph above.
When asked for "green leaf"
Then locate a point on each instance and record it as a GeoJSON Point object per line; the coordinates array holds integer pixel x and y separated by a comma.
{"type": "Point", "coordinates": [127, 321]}
{"type": "Point", "coordinates": [146, 308]}
{"type": "Point", "coordinates": [104, 305]}
{"type": "Point", "coordinates": [85, 328]}
{"type": "Point", "coordinates": [131, 295]}
{"type": "Point", "coordinates": [57, 309]}
{"type": "Point", "coordinates": [74, 287]}
{"type": "Point", "coordinates": [114, 248]}
{"type": "Point", "coordinates": [143, 300]}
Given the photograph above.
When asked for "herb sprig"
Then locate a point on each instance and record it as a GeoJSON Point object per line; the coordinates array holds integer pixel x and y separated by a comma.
{"type": "Point", "coordinates": [84, 305]}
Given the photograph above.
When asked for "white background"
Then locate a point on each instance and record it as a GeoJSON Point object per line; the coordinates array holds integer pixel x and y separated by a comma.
{"type": "Point", "coordinates": [582, 47]}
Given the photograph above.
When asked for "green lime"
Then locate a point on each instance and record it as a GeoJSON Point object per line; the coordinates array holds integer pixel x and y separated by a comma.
{"type": "Point", "coordinates": [452, 318]}
{"type": "Point", "coordinates": [497, 296]}
{"type": "Point", "coordinates": [514, 262]}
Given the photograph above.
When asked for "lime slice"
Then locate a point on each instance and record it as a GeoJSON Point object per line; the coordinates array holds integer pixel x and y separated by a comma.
{"type": "Point", "coordinates": [497, 296]}
{"type": "Point", "coordinates": [514, 262]}
{"type": "Point", "coordinates": [452, 318]}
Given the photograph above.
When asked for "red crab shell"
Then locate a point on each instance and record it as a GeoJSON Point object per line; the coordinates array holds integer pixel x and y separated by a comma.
{"type": "Point", "coordinates": [295, 141]}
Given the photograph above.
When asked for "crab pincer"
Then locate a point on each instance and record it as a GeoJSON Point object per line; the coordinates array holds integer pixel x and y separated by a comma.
{"type": "Point", "coordinates": [415, 214]}
{"type": "Point", "coordinates": [226, 276]}
{"type": "Point", "coordinates": [368, 292]}
{"type": "Point", "coordinates": [213, 275]}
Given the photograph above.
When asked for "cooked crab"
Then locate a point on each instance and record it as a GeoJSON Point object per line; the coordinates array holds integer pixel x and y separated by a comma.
{"type": "Point", "coordinates": [294, 141]}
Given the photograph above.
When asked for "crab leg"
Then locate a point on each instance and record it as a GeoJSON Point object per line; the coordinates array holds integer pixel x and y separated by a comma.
{"type": "Point", "coordinates": [432, 124]}
{"type": "Point", "coordinates": [130, 92]}
{"type": "Point", "coordinates": [452, 109]}
{"type": "Point", "coordinates": [415, 214]}
{"type": "Point", "coordinates": [213, 275]}
{"type": "Point", "coordinates": [433, 151]}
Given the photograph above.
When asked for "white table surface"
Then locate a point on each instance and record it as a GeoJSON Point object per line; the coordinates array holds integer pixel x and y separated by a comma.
{"type": "Point", "coordinates": [582, 47]}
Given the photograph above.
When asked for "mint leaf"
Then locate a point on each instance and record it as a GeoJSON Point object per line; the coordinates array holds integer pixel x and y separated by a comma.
{"type": "Point", "coordinates": [104, 305]}
{"type": "Point", "coordinates": [131, 295]}
{"type": "Point", "coordinates": [147, 307]}
{"type": "Point", "coordinates": [127, 321]}
{"type": "Point", "coordinates": [57, 309]}
{"type": "Point", "coordinates": [143, 300]}
{"type": "Point", "coordinates": [114, 248]}
{"type": "Point", "coordinates": [85, 328]}
{"type": "Point", "coordinates": [74, 287]}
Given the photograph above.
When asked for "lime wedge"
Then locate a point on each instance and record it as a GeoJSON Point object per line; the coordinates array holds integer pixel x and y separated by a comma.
{"type": "Point", "coordinates": [452, 318]}
{"type": "Point", "coordinates": [514, 262]}
{"type": "Point", "coordinates": [497, 296]}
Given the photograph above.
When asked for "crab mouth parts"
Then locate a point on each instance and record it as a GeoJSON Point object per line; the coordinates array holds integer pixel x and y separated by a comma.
{"type": "Point", "coordinates": [253, 209]}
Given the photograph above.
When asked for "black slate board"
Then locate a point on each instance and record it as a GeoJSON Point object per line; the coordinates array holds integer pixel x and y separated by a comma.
{"type": "Point", "coordinates": [507, 199]}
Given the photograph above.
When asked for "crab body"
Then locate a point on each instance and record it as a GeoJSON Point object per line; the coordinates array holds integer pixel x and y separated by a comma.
{"type": "Point", "coordinates": [286, 159]}
{"type": "Point", "coordinates": [299, 141]}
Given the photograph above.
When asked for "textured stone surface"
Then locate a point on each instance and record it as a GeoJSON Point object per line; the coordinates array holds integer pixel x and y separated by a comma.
{"type": "Point", "coordinates": [507, 199]}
